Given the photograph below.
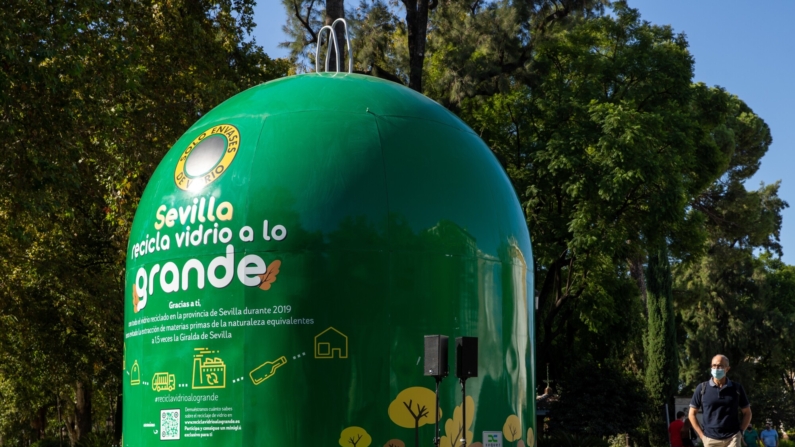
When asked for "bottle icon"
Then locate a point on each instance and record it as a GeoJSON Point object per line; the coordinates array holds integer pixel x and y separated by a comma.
{"type": "Point", "coordinates": [266, 370]}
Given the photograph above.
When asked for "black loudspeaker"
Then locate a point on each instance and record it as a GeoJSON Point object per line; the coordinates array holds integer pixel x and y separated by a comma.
{"type": "Point", "coordinates": [436, 356]}
{"type": "Point", "coordinates": [466, 357]}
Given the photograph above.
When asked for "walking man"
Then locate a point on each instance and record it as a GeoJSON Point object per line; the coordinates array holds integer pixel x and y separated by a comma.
{"type": "Point", "coordinates": [769, 436]}
{"type": "Point", "coordinates": [751, 438]}
{"type": "Point", "coordinates": [721, 400]}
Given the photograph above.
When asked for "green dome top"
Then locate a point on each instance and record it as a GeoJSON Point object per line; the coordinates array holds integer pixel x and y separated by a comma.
{"type": "Point", "coordinates": [324, 148]}
{"type": "Point", "coordinates": [337, 92]}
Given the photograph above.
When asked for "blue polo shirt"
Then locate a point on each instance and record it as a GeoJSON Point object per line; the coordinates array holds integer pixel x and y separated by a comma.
{"type": "Point", "coordinates": [769, 437]}
{"type": "Point", "coordinates": [721, 408]}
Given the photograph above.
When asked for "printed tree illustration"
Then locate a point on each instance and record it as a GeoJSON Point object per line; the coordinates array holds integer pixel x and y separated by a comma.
{"type": "Point", "coordinates": [531, 437]}
{"type": "Point", "coordinates": [355, 437]}
{"type": "Point", "coordinates": [454, 428]}
{"type": "Point", "coordinates": [413, 408]}
{"type": "Point", "coordinates": [512, 430]}
{"type": "Point", "coordinates": [395, 443]}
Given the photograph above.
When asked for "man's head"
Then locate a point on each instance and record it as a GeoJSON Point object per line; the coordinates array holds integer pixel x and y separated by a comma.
{"type": "Point", "coordinates": [767, 426]}
{"type": "Point", "coordinates": [680, 414]}
{"type": "Point", "coordinates": [720, 366]}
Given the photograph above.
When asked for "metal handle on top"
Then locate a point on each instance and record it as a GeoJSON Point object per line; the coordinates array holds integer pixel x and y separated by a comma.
{"type": "Point", "coordinates": [333, 38]}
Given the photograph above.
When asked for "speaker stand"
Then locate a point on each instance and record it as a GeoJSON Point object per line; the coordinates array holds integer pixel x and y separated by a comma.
{"type": "Point", "coordinates": [436, 439]}
{"type": "Point", "coordinates": [463, 412]}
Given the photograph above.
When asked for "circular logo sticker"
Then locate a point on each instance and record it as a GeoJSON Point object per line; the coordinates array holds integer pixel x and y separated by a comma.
{"type": "Point", "coordinates": [207, 157]}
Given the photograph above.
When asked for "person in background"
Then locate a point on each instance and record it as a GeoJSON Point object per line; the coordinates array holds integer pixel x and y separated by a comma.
{"type": "Point", "coordinates": [687, 432]}
{"type": "Point", "coordinates": [751, 437]}
{"type": "Point", "coordinates": [721, 400]}
{"type": "Point", "coordinates": [769, 436]}
{"type": "Point", "coordinates": [675, 429]}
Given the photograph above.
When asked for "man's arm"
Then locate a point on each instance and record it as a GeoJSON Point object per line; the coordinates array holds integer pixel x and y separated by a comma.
{"type": "Point", "coordinates": [694, 422]}
{"type": "Point", "coordinates": [746, 418]}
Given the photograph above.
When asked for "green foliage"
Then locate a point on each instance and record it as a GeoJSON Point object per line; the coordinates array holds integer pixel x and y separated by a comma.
{"type": "Point", "coordinates": [565, 439]}
{"type": "Point", "coordinates": [47, 443]}
{"type": "Point", "coordinates": [304, 20]}
{"type": "Point", "coordinates": [483, 48]}
{"type": "Point", "coordinates": [605, 153]}
{"type": "Point", "coordinates": [599, 400]}
{"type": "Point", "coordinates": [614, 152]}
{"type": "Point", "coordinates": [379, 41]}
{"type": "Point", "coordinates": [654, 431]}
{"type": "Point", "coordinates": [95, 439]}
{"type": "Point", "coordinates": [50, 442]}
{"type": "Point", "coordinates": [92, 94]}
{"type": "Point", "coordinates": [770, 330]}
{"type": "Point", "coordinates": [723, 298]}
{"type": "Point", "coordinates": [662, 373]}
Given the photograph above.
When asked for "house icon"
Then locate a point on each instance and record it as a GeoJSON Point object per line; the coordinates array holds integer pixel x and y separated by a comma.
{"type": "Point", "coordinates": [331, 343]}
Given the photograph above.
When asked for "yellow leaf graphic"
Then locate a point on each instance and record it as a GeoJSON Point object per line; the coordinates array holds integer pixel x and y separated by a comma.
{"type": "Point", "coordinates": [455, 427]}
{"type": "Point", "coordinates": [135, 299]}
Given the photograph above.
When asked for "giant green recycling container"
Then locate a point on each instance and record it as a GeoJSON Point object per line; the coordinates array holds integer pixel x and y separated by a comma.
{"type": "Point", "coordinates": [291, 251]}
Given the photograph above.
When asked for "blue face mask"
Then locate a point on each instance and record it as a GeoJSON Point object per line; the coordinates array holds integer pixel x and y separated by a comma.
{"type": "Point", "coordinates": [718, 373]}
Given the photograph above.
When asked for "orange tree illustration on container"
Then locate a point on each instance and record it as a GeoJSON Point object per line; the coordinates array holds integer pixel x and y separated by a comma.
{"type": "Point", "coordinates": [395, 443]}
{"type": "Point", "coordinates": [355, 437]}
{"type": "Point", "coordinates": [413, 408]}
{"type": "Point", "coordinates": [454, 428]}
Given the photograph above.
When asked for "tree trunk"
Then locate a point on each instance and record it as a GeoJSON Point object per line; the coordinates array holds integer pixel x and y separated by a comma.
{"type": "Point", "coordinates": [39, 423]}
{"type": "Point", "coordinates": [117, 420]}
{"type": "Point", "coordinates": [417, 24]}
{"type": "Point", "coordinates": [83, 421]}
{"type": "Point", "coordinates": [335, 9]}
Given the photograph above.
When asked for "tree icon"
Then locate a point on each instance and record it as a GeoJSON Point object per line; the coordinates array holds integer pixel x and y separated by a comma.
{"type": "Point", "coordinates": [531, 437]}
{"type": "Point", "coordinates": [512, 430]}
{"type": "Point", "coordinates": [355, 437]}
{"type": "Point", "coordinates": [454, 428]}
{"type": "Point", "coordinates": [395, 443]}
{"type": "Point", "coordinates": [413, 408]}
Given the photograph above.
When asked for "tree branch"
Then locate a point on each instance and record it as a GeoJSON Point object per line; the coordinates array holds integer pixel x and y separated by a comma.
{"type": "Point", "coordinates": [549, 279]}
{"type": "Point", "coordinates": [422, 411]}
{"type": "Point", "coordinates": [408, 406]}
{"type": "Point", "coordinates": [305, 23]}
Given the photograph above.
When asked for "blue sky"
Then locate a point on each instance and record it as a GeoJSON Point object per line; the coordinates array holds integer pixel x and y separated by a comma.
{"type": "Point", "coordinates": [745, 47]}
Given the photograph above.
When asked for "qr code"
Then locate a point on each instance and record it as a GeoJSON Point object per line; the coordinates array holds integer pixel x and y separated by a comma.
{"type": "Point", "coordinates": [169, 425]}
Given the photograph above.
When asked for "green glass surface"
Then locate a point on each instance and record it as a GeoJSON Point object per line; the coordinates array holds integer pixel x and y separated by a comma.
{"type": "Point", "coordinates": [348, 218]}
